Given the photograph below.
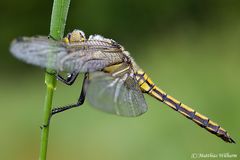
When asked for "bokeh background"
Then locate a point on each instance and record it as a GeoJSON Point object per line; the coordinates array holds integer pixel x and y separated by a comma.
{"type": "Point", "coordinates": [190, 49]}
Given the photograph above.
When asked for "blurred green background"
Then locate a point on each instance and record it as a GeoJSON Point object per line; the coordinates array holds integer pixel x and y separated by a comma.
{"type": "Point", "coordinates": [190, 49]}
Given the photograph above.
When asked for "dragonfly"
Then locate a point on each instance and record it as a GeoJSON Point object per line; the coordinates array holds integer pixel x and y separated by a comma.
{"type": "Point", "coordinates": [113, 82]}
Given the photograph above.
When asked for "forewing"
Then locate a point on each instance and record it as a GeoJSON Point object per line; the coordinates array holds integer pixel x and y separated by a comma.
{"type": "Point", "coordinates": [116, 95]}
{"type": "Point", "coordinates": [78, 57]}
{"type": "Point", "coordinates": [39, 51]}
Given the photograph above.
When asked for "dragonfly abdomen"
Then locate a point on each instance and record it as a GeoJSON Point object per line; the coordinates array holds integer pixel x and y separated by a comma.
{"type": "Point", "coordinates": [147, 86]}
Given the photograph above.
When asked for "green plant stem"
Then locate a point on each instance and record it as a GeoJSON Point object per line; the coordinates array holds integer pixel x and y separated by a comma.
{"type": "Point", "coordinates": [58, 21]}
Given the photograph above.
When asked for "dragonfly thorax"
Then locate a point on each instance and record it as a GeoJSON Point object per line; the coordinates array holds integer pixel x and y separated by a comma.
{"type": "Point", "coordinates": [97, 37]}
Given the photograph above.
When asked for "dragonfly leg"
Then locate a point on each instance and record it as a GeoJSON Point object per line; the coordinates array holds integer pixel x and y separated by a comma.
{"type": "Point", "coordinates": [80, 99]}
{"type": "Point", "coordinates": [70, 79]}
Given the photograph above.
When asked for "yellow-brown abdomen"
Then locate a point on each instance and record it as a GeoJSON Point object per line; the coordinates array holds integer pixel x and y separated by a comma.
{"type": "Point", "coordinates": [147, 86]}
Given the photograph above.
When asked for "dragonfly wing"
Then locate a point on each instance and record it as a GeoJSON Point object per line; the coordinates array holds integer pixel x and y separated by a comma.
{"type": "Point", "coordinates": [116, 95]}
{"type": "Point", "coordinates": [36, 50]}
{"type": "Point", "coordinates": [81, 57]}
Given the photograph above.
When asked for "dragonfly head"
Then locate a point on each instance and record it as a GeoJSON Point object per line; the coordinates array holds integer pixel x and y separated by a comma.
{"type": "Point", "coordinates": [75, 36]}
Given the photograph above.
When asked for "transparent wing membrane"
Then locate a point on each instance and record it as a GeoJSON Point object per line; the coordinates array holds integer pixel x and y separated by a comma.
{"type": "Point", "coordinates": [36, 51]}
{"type": "Point", "coordinates": [85, 56]}
{"type": "Point", "coordinates": [116, 95]}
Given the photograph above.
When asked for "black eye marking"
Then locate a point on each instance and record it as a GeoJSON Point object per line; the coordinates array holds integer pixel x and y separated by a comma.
{"type": "Point", "coordinates": [80, 34]}
{"type": "Point", "coordinates": [69, 36]}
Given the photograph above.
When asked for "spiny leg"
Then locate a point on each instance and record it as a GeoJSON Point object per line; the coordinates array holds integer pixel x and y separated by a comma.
{"type": "Point", "coordinates": [70, 79]}
{"type": "Point", "coordinates": [80, 99]}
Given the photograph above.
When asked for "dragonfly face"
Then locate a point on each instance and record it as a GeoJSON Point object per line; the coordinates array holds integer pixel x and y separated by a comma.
{"type": "Point", "coordinates": [75, 36]}
{"type": "Point", "coordinates": [113, 81]}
